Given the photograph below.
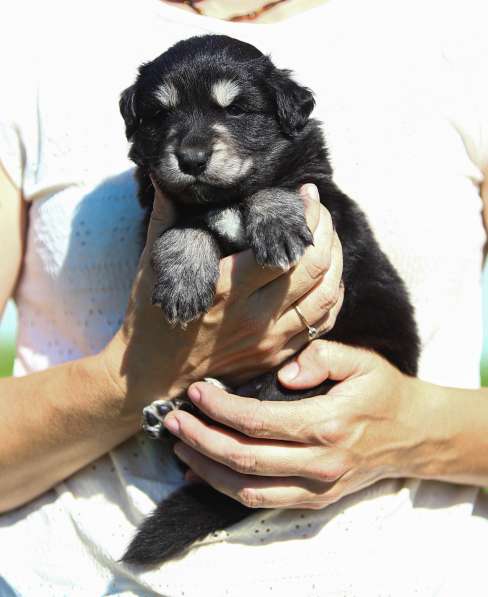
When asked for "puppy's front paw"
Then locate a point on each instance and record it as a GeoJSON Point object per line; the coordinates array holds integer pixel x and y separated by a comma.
{"type": "Point", "coordinates": [279, 239]}
{"type": "Point", "coordinates": [186, 267]}
{"type": "Point", "coordinates": [182, 301]}
{"type": "Point", "coordinates": [153, 415]}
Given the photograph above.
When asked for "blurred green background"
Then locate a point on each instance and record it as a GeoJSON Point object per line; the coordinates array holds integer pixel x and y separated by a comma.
{"type": "Point", "coordinates": [7, 337]}
{"type": "Point", "coordinates": [7, 340]}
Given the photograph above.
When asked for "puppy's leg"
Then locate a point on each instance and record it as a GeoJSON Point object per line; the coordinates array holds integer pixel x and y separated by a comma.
{"type": "Point", "coordinates": [186, 268]}
{"type": "Point", "coordinates": [154, 414]}
{"type": "Point", "coordinates": [276, 228]}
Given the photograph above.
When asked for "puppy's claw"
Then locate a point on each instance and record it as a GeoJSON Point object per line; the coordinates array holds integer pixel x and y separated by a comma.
{"type": "Point", "coordinates": [182, 307]}
{"type": "Point", "coordinates": [277, 248]}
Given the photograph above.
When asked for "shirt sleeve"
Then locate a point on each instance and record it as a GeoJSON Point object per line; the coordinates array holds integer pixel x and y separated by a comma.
{"type": "Point", "coordinates": [18, 99]}
{"type": "Point", "coordinates": [465, 55]}
{"type": "Point", "coordinates": [19, 134]}
{"type": "Point", "coordinates": [11, 151]}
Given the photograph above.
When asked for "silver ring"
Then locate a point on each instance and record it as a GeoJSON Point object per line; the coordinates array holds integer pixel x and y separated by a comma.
{"type": "Point", "coordinates": [312, 331]}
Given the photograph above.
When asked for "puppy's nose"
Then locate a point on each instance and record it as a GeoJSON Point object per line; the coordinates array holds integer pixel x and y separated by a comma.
{"type": "Point", "coordinates": [192, 160]}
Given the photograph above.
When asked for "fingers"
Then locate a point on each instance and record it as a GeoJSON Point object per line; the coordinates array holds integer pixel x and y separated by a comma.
{"type": "Point", "coordinates": [321, 305]}
{"type": "Point", "coordinates": [250, 456]}
{"type": "Point", "coordinates": [162, 216]}
{"type": "Point", "coordinates": [302, 339]}
{"type": "Point", "coordinates": [311, 199]}
{"type": "Point", "coordinates": [256, 492]}
{"type": "Point", "coordinates": [241, 270]}
{"type": "Point", "coordinates": [320, 308]}
{"type": "Point", "coordinates": [317, 259]}
{"type": "Point", "coordinates": [322, 360]}
{"type": "Point", "coordinates": [325, 295]}
{"type": "Point", "coordinates": [289, 421]}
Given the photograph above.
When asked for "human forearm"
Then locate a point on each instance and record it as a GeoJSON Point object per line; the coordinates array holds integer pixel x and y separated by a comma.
{"type": "Point", "coordinates": [454, 426]}
{"type": "Point", "coordinates": [53, 423]}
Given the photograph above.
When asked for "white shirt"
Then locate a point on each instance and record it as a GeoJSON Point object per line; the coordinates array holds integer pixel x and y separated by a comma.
{"type": "Point", "coordinates": [403, 94]}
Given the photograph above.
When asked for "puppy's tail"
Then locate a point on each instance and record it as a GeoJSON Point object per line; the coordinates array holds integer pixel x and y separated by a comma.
{"type": "Point", "coordinates": [188, 515]}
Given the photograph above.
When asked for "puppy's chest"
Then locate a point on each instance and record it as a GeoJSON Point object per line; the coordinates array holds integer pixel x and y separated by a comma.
{"type": "Point", "coordinates": [228, 226]}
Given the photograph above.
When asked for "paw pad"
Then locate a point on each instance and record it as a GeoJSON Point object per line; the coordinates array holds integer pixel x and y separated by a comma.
{"type": "Point", "coordinates": [153, 417]}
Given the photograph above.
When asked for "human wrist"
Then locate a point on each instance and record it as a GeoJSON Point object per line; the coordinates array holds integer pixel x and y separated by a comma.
{"type": "Point", "coordinates": [449, 438]}
{"type": "Point", "coordinates": [428, 438]}
{"type": "Point", "coordinates": [461, 421]}
{"type": "Point", "coordinates": [129, 380]}
{"type": "Point", "coordinates": [105, 397]}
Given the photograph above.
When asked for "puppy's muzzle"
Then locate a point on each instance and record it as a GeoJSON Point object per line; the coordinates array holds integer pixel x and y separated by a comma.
{"type": "Point", "coordinates": [192, 160]}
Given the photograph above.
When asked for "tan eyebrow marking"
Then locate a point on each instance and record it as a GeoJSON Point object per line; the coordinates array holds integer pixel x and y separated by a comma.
{"type": "Point", "coordinates": [224, 92]}
{"type": "Point", "coordinates": [167, 95]}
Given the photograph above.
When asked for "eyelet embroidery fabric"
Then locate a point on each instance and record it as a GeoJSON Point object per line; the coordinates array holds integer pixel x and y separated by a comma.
{"type": "Point", "coordinates": [398, 155]}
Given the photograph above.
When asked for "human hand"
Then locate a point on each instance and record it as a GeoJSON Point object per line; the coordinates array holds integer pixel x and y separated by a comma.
{"type": "Point", "coordinates": [307, 453]}
{"type": "Point", "coordinates": [251, 327]}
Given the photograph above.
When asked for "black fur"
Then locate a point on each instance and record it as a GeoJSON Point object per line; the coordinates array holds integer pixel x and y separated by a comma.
{"type": "Point", "coordinates": [271, 148]}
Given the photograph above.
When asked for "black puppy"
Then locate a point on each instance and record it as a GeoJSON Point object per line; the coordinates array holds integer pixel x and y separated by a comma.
{"type": "Point", "coordinates": [227, 136]}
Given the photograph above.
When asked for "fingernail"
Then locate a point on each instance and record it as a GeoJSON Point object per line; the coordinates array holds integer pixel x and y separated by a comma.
{"type": "Point", "coordinates": [194, 394]}
{"type": "Point", "coordinates": [313, 192]}
{"type": "Point", "coordinates": [172, 424]}
{"type": "Point", "coordinates": [289, 371]}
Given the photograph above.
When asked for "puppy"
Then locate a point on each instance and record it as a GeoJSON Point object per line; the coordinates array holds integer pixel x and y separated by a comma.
{"type": "Point", "coordinates": [227, 137]}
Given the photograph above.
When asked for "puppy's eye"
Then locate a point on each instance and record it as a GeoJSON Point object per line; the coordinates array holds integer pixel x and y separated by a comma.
{"type": "Point", "coordinates": [235, 110]}
{"type": "Point", "coordinates": [153, 117]}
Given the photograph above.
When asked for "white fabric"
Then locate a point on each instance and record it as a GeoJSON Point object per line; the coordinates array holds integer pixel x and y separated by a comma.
{"type": "Point", "coordinates": [402, 90]}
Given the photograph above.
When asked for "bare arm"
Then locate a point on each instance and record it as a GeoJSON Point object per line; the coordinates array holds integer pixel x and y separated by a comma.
{"type": "Point", "coordinates": [12, 230]}
{"type": "Point", "coordinates": [54, 422]}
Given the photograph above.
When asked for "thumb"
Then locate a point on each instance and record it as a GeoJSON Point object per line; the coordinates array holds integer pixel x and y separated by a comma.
{"type": "Point", "coordinates": [163, 216]}
{"type": "Point", "coordinates": [322, 360]}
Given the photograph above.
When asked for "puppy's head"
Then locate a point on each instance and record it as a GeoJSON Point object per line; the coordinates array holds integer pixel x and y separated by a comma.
{"type": "Point", "coordinates": [211, 117]}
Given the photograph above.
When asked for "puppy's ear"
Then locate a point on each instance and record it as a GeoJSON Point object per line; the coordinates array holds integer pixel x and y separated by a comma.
{"type": "Point", "coordinates": [128, 110]}
{"type": "Point", "coordinates": [294, 103]}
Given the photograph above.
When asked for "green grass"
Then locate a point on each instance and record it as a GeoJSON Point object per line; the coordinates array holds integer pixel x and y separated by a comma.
{"type": "Point", "coordinates": [7, 339]}
{"type": "Point", "coordinates": [7, 351]}
{"type": "Point", "coordinates": [484, 371]}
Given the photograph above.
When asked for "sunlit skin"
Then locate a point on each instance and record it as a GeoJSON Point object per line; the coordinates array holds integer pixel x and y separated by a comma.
{"type": "Point", "coordinates": [375, 423]}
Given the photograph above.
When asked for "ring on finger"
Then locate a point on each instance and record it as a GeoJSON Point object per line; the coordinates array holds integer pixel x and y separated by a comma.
{"type": "Point", "coordinates": [312, 330]}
